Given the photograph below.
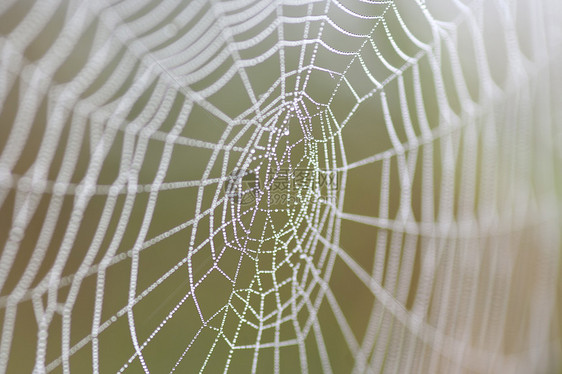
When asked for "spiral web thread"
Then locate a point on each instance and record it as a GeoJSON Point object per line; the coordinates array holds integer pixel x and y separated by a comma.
{"type": "Point", "coordinates": [128, 125]}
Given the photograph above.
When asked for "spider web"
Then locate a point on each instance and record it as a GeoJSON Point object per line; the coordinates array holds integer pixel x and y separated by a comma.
{"type": "Point", "coordinates": [279, 186]}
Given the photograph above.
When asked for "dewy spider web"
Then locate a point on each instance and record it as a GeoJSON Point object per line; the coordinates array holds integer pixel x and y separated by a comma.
{"type": "Point", "coordinates": [279, 186]}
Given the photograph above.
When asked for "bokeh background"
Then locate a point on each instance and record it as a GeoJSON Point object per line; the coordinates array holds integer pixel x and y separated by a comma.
{"type": "Point", "coordinates": [476, 256]}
